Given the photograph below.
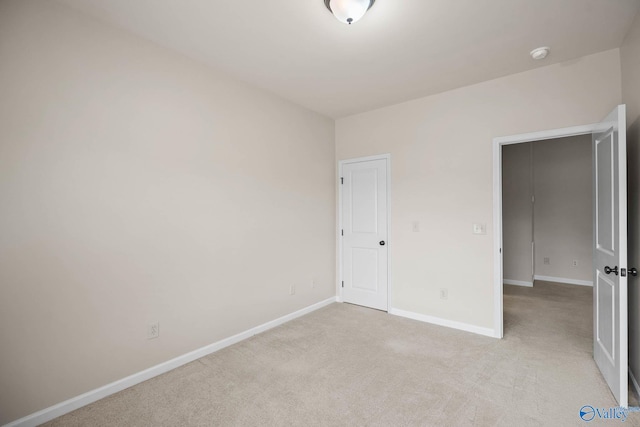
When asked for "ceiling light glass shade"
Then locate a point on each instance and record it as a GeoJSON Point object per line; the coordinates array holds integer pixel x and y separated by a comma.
{"type": "Point", "coordinates": [348, 11]}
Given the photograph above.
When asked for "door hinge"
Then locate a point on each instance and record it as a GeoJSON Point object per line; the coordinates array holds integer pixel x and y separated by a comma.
{"type": "Point", "coordinates": [533, 199]}
{"type": "Point", "coordinates": [343, 283]}
{"type": "Point", "coordinates": [341, 180]}
{"type": "Point", "coordinates": [342, 232]}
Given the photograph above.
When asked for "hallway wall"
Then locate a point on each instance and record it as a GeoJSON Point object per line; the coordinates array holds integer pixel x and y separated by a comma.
{"type": "Point", "coordinates": [563, 219]}
{"type": "Point", "coordinates": [557, 172]}
{"type": "Point", "coordinates": [517, 214]}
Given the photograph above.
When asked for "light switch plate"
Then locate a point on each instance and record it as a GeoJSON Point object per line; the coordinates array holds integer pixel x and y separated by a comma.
{"type": "Point", "coordinates": [479, 228]}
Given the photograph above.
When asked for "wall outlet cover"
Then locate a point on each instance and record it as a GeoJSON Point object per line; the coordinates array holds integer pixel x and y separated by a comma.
{"type": "Point", "coordinates": [153, 330]}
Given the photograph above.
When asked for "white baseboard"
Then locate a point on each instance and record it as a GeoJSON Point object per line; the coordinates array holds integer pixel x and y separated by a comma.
{"type": "Point", "coordinates": [517, 283]}
{"type": "Point", "coordinates": [634, 382]}
{"type": "Point", "coordinates": [74, 403]}
{"type": "Point", "coordinates": [444, 322]}
{"type": "Point", "coordinates": [563, 280]}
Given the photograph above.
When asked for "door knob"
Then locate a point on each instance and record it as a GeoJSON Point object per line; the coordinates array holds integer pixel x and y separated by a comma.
{"type": "Point", "coordinates": [382, 243]}
{"type": "Point", "coordinates": [633, 272]}
{"type": "Point", "coordinates": [610, 270]}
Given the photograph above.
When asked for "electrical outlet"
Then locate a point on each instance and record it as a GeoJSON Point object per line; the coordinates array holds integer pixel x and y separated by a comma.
{"type": "Point", "coordinates": [153, 330]}
{"type": "Point", "coordinates": [444, 293]}
{"type": "Point", "coordinates": [575, 263]}
{"type": "Point", "coordinates": [292, 290]}
{"type": "Point", "coordinates": [547, 261]}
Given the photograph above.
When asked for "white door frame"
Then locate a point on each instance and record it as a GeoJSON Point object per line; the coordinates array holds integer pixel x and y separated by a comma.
{"type": "Point", "coordinates": [387, 158]}
{"type": "Point", "coordinates": [498, 143]}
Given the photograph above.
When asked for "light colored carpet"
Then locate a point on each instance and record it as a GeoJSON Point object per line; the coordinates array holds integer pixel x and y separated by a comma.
{"type": "Point", "coordinates": [351, 366]}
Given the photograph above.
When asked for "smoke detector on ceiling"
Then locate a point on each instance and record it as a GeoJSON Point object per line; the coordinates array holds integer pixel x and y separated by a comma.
{"type": "Point", "coordinates": [539, 53]}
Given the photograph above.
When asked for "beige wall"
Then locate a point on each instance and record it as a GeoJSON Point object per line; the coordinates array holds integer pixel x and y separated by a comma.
{"type": "Point", "coordinates": [517, 213]}
{"type": "Point", "coordinates": [441, 148]}
{"type": "Point", "coordinates": [137, 186]}
{"type": "Point", "coordinates": [630, 59]}
{"type": "Point", "coordinates": [563, 219]}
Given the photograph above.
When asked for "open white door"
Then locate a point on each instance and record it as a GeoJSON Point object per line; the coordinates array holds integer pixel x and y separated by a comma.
{"type": "Point", "coordinates": [610, 252]}
{"type": "Point", "coordinates": [364, 233]}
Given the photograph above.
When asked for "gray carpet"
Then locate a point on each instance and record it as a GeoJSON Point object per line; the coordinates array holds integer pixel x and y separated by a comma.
{"type": "Point", "coordinates": [348, 365]}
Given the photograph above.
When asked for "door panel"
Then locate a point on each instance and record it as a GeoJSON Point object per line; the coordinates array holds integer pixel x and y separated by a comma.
{"type": "Point", "coordinates": [605, 232]}
{"type": "Point", "coordinates": [605, 305]}
{"type": "Point", "coordinates": [364, 227]}
{"type": "Point", "coordinates": [610, 343]}
{"type": "Point", "coordinates": [364, 271]}
{"type": "Point", "coordinates": [364, 200]}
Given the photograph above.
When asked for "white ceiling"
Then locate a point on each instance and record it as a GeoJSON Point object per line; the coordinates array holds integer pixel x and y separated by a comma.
{"type": "Point", "coordinates": [400, 50]}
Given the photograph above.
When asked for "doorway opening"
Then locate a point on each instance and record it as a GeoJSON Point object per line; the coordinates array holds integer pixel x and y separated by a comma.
{"type": "Point", "coordinates": [547, 234]}
{"type": "Point", "coordinates": [498, 145]}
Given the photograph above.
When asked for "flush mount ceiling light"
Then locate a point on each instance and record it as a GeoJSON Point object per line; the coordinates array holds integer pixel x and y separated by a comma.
{"type": "Point", "coordinates": [348, 11]}
{"type": "Point", "coordinates": [539, 53]}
